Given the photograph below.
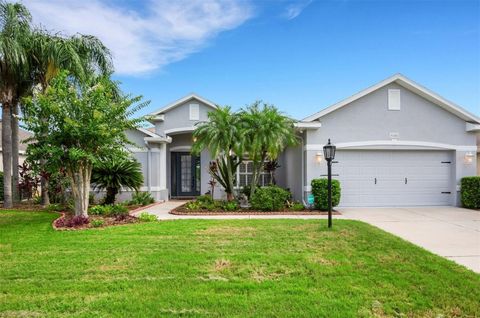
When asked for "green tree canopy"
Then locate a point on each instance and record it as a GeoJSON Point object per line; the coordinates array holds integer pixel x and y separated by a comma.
{"type": "Point", "coordinates": [75, 125]}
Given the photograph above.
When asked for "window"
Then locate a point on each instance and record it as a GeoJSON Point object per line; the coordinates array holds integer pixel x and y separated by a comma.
{"type": "Point", "coordinates": [245, 174]}
{"type": "Point", "coordinates": [393, 99]}
{"type": "Point", "coordinates": [194, 112]}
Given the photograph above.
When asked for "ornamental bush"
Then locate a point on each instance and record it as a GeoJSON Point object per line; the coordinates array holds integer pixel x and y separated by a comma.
{"type": "Point", "coordinates": [271, 198]}
{"type": "Point", "coordinates": [320, 193]}
{"type": "Point", "coordinates": [470, 192]}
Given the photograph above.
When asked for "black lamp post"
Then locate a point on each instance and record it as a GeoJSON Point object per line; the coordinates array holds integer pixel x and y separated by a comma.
{"type": "Point", "coordinates": [329, 155]}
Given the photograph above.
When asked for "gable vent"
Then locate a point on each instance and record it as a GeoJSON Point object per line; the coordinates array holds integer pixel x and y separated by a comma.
{"type": "Point", "coordinates": [393, 99]}
{"type": "Point", "coordinates": [194, 112]}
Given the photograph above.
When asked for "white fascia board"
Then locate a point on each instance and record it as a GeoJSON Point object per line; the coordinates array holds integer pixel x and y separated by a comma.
{"type": "Point", "coordinates": [179, 130]}
{"type": "Point", "coordinates": [307, 125]}
{"type": "Point", "coordinates": [158, 139]}
{"type": "Point", "coordinates": [182, 101]}
{"type": "Point", "coordinates": [409, 84]}
{"type": "Point", "coordinates": [472, 127]}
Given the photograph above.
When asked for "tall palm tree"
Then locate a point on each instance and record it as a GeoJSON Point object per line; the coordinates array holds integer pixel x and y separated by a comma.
{"type": "Point", "coordinates": [82, 55]}
{"type": "Point", "coordinates": [267, 132]}
{"type": "Point", "coordinates": [14, 35]}
{"type": "Point", "coordinates": [222, 136]}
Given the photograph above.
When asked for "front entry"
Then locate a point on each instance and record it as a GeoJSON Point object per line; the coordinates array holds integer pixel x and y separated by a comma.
{"type": "Point", "coordinates": [185, 174]}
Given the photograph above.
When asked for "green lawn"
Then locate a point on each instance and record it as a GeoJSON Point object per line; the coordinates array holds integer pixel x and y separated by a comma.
{"type": "Point", "coordinates": [237, 268]}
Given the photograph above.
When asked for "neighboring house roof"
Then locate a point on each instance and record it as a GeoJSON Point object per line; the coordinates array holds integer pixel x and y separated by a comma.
{"type": "Point", "coordinates": [22, 135]}
{"type": "Point", "coordinates": [182, 101]}
{"type": "Point", "coordinates": [408, 84]}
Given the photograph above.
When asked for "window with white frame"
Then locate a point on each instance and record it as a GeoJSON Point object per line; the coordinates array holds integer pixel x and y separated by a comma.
{"type": "Point", "coordinates": [245, 175]}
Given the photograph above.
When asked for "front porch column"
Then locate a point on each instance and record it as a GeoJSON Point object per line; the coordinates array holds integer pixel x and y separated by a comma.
{"type": "Point", "coordinates": [162, 171]}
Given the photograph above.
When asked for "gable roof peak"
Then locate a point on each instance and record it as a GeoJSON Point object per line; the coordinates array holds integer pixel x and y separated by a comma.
{"type": "Point", "coordinates": [183, 100]}
{"type": "Point", "coordinates": [409, 84]}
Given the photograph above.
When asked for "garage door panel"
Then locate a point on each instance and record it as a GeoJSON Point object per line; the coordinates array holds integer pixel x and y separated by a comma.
{"type": "Point", "coordinates": [427, 173]}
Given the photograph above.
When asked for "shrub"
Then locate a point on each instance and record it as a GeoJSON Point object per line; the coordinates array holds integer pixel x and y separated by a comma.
{"type": "Point", "coordinates": [97, 222]}
{"type": "Point", "coordinates": [230, 206]}
{"type": "Point", "coordinates": [109, 210]}
{"type": "Point", "coordinates": [470, 192]}
{"type": "Point", "coordinates": [270, 198]}
{"type": "Point", "coordinates": [141, 198]}
{"type": "Point", "coordinates": [55, 207]}
{"type": "Point", "coordinates": [320, 193]}
{"type": "Point", "coordinates": [193, 205]}
{"type": "Point", "coordinates": [72, 222]}
{"type": "Point", "coordinates": [296, 206]}
{"type": "Point", "coordinates": [147, 217]}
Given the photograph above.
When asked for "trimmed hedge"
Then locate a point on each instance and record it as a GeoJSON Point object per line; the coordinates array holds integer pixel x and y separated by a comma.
{"type": "Point", "coordinates": [271, 198]}
{"type": "Point", "coordinates": [470, 192]}
{"type": "Point", "coordinates": [320, 193]}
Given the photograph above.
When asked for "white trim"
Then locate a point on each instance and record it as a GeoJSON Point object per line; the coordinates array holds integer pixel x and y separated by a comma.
{"type": "Point", "coordinates": [194, 111]}
{"type": "Point", "coordinates": [307, 125]}
{"type": "Point", "coordinates": [155, 118]}
{"type": "Point", "coordinates": [472, 127]}
{"type": "Point", "coordinates": [183, 100]}
{"type": "Point", "coordinates": [376, 144]}
{"type": "Point", "coordinates": [147, 132]}
{"type": "Point", "coordinates": [307, 188]}
{"type": "Point", "coordinates": [179, 130]}
{"type": "Point", "coordinates": [409, 84]}
{"type": "Point", "coordinates": [145, 189]}
{"type": "Point", "coordinates": [181, 148]}
{"type": "Point", "coordinates": [158, 139]}
{"type": "Point", "coordinates": [394, 99]}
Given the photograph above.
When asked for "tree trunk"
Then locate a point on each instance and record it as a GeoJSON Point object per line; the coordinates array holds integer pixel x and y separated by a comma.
{"type": "Point", "coordinates": [44, 185]}
{"type": "Point", "coordinates": [15, 153]}
{"type": "Point", "coordinates": [7, 154]}
{"type": "Point", "coordinates": [111, 194]}
{"type": "Point", "coordinates": [81, 188]}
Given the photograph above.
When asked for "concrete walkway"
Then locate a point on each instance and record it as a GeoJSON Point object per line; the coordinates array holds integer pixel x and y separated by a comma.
{"type": "Point", "coordinates": [451, 232]}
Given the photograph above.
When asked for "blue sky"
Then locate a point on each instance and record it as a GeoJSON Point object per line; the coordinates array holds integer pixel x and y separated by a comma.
{"type": "Point", "coordinates": [301, 56]}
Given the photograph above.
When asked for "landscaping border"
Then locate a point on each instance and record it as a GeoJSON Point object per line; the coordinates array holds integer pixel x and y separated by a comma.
{"type": "Point", "coordinates": [248, 212]}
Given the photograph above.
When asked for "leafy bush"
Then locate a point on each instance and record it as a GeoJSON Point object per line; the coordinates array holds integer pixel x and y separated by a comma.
{"type": "Point", "coordinates": [271, 198]}
{"type": "Point", "coordinates": [205, 199]}
{"type": "Point", "coordinates": [470, 192]}
{"type": "Point", "coordinates": [97, 222]}
{"type": "Point", "coordinates": [55, 207]}
{"type": "Point", "coordinates": [320, 193]}
{"type": "Point", "coordinates": [147, 217]}
{"type": "Point", "coordinates": [141, 198]}
{"type": "Point", "coordinates": [230, 206]}
{"type": "Point", "coordinates": [296, 206]}
{"type": "Point", "coordinates": [108, 210]}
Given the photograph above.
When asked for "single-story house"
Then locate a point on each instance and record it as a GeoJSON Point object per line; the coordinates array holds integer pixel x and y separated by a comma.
{"type": "Point", "coordinates": [398, 144]}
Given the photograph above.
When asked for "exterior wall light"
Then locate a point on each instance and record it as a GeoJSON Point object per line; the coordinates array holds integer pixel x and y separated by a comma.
{"type": "Point", "coordinates": [319, 157]}
{"type": "Point", "coordinates": [469, 157]}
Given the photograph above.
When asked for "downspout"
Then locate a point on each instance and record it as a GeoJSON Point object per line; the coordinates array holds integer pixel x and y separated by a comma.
{"type": "Point", "coordinates": [303, 171]}
{"type": "Point", "coordinates": [149, 165]}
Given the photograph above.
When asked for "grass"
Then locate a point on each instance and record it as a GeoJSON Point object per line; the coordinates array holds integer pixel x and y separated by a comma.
{"type": "Point", "coordinates": [234, 268]}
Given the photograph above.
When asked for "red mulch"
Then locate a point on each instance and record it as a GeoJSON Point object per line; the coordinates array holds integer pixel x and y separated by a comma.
{"type": "Point", "coordinates": [70, 222]}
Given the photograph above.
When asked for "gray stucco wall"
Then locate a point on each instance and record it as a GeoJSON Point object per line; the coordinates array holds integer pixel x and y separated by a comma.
{"type": "Point", "coordinates": [179, 117]}
{"type": "Point", "coordinates": [368, 119]}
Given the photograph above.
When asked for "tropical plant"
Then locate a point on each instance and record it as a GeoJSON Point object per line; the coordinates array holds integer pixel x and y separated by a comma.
{"type": "Point", "coordinates": [223, 138]}
{"type": "Point", "coordinates": [28, 182]}
{"type": "Point", "coordinates": [114, 172]}
{"type": "Point", "coordinates": [270, 167]}
{"type": "Point", "coordinates": [14, 36]}
{"type": "Point", "coordinates": [75, 125]}
{"type": "Point", "coordinates": [147, 217]}
{"type": "Point", "coordinates": [141, 198]}
{"type": "Point", "coordinates": [267, 133]}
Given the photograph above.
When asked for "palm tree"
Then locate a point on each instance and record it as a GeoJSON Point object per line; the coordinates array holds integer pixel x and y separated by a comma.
{"type": "Point", "coordinates": [82, 55]}
{"type": "Point", "coordinates": [14, 35]}
{"type": "Point", "coordinates": [222, 136]}
{"type": "Point", "coordinates": [113, 173]}
{"type": "Point", "coordinates": [267, 132]}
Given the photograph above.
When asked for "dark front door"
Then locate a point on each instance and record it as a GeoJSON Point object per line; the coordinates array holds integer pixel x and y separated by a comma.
{"type": "Point", "coordinates": [185, 174]}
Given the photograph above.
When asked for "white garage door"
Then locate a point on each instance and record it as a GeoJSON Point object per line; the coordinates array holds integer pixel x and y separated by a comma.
{"type": "Point", "coordinates": [394, 178]}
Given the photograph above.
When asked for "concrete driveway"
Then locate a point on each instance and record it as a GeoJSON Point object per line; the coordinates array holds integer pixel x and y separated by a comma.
{"type": "Point", "coordinates": [451, 232]}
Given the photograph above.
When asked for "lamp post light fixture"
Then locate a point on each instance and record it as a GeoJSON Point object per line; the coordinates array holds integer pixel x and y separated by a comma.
{"type": "Point", "coordinates": [329, 155]}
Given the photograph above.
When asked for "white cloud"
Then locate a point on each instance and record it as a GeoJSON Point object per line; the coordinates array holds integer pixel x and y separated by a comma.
{"type": "Point", "coordinates": [293, 10]}
{"type": "Point", "coordinates": [143, 39]}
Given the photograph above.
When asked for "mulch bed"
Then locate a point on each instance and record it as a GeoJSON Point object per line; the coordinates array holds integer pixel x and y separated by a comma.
{"type": "Point", "coordinates": [67, 222]}
{"type": "Point", "coordinates": [181, 210]}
